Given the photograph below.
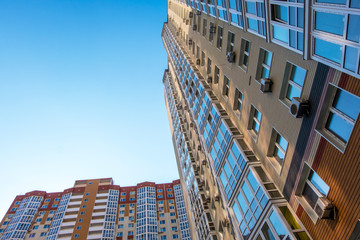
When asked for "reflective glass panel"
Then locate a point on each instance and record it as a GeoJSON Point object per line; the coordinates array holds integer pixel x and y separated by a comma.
{"type": "Point", "coordinates": [329, 22]}
{"type": "Point", "coordinates": [328, 50]}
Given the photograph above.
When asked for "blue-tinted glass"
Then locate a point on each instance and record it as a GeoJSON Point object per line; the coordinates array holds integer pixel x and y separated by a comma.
{"type": "Point", "coordinates": [251, 7]}
{"type": "Point", "coordinates": [355, 4]}
{"type": "Point", "coordinates": [256, 126]}
{"type": "Point", "coordinates": [259, 194]}
{"type": "Point", "coordinates": [242, 202]}
{"type": "Point", "coordinates": [293, 38]}
{"type": "Point", "coordinates": [279, 154]}
{"type": "Point", "coordinates": [234, 18]}
{"type": "Point", "coordinates": [300, 17]}
{"type": "Point", "coordinates": [253, 182]}
{"type": "Point", "coordinates": [328, 50]}
{"type": "Point", "coordinates": [281, 33]}
{"type": "Point", "coordinates": [257, 213]}
{"type": "Point", "coordinates": [328, 22]}
{"type": "Point", "coordinates": [233, 4]}
{"type": "Point", "coordinates": [263, 201]}
{"type": "Point", "coordinates": [223, 179]}
{"type": "Point", "coordinates": [353, 32]}
{"type": "Point", "coordinates": [300, 42]}
{"type": "Point", "coordinates": [332, 1]}
{"type": "Point", "coordinates": [347, 103]}
{"type": "Point", "coordinates": [249, 196]}
{"type": "Point", "coordinates": [281, 13]}
{"type": "Point", "coordinates": [227, 170]}
{"type": "Point", "coordinates": [267, 58]}
{"type": "Point", "coordinates": [265, 73]}
{"type": "Point", "coordinates": [278, 225]}
{"type": "Point", "coordinates": [298, 75]}
{"type": "Point", "coordinates": [319, 183]}
{"type": "Point", "coordinates": [292, 16]}
{"type": "Point", "coordinates": [252, 24]}
{"type": "Point", "coordinates": [231, 160]}
{"type": "Point", "coordinates": [339, 126]}
{"type": "Point", "coordinates": [237, 213]}
{"type": "Point", "coordinates": [282, 142]}
{"type": "Point", "coordinates": [257, 115]}
{"type": "Point", "coordinates": [350, 58]}
{"type": "Point", "coordinates": [235, 150]}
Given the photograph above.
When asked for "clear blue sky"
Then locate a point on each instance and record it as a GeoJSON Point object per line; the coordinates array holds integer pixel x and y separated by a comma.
{"type": "Point", "coordinates": [81, 94]}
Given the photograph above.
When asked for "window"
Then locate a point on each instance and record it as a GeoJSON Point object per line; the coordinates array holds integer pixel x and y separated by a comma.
{"type": "Point", "coordinates": [174, 229]}
{"type": "Point", "coordinates": [131, 225]}
{"type": "Point", "coordinates": [230, 42]}
{"type": "Point", "coordinates": [38, 220]}
{"type": "Point", "coordinates": [77, 235]}
{"type": "Point", "coordinates": [202, 58]}
{"type": "Point", "coordinates": [159, 190]}
{"type": "Point", "coordinates": [277, 149]}
{"type": "Point", "coordinates": [217, 75]}
{"type": "Point", "coordinates": [338, 117]}
{"type": "Point", "coordinates": [238, 100]}
{"type": "Point", "coordinates": [87, 194]}
{"type": "Point", "coordinates": [132, 193]}
{"type": "Point", "coordinates": [160, 196]}
{"type": "Point", "coordinates": [84, 206]}
{"type": "Point", "coordinates": [52, 212]}
{"type": "Point", "coordinates": [244, 53]}
{"type": "Point", "coordinates": [130, 233]}
{"type": "Point", "coordinates": [163, 238]}
{"type": "Point", "coordinates": [82, 213]}
{"type": "Point", "coordinates": [5, 223]}
{"type": "Point", "coordinates": [120, 234]}
{"type": "Point", "coordinates": [204, 27]}
{"type": "Point", "coordinates": [208, 69]}
{"type": "Point", "coordinates": [81, 220]}
{"type": "Point", "coordinates": [54, 205]}
{"type": "Point", "coordinates": [78, 227]}
{"type": "Point", "coordinates": [120, 226]}
{"type": "Point", "coordinates": [226, 86]}
{"type": "Point", "coordinates": [255, 14]}
{"type": "Point", "coordinates": [49, 219]}
{"type": "Point", "coordinates": [293, 83]}
{"type": "Point", "coordinates": [131, 211]}
{"type": "Point", "coordinates": [212, 30]}
{"type": "Point", "coordinates": [57, 199]}
{"type": "Point", "coordinates": [173, 220]}
{"type": "Point", "coordinates": [47, 200]}
{"type": "Point", "coordinates": [16, 203]}
{"type": "Point", "coordinates": [32, 235]}
{"type": "Point", "coordinates": [264, 64]}
{"type": "Point", "coordinates": [35, 227]}
{"type": "Point", "coordinates": [123, 194]}
{"type": "Point", "coordinates": [161, 214]}
{"type": "Point", "coordinates": [171, 207]}
{"type": "Point", "coordinates": [254, 121]}
{"type": "Point", "coordinates": [197, 51]}
{"type": "Point", "coordinates": [161, 202]}
{"type": "Point", "coordinates": [162, 221]}
{"type": "Point", "coordinates": [44, 206]}
{"type": "Point", "coordinates": [85, 200]}
{"type": "Point", "coordinates": [121, 212]}
{"type": "Point", "coordinates": [193, 47]}
{"type": "Point", "coordinates": [175, 236]}
{"type": "Point", "coordinates": [13, 209]}
{"type": "Point", "coordinates": [314, 188]}
{"type": "Point", "coordinates": [42, 234]}
{"type": "Point", "coordinates": [172, 214]}
{"type": "Point", "coordinates": [121, 219]}
{"type": "Point", "coordinates": [90, 183]}
{"type": "Point", "coordinates": [219, 37]}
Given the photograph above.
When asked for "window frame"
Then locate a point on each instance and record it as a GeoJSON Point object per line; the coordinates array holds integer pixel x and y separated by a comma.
{"type": "Point", "coordinates": [274, 145]}
{"type": "Point", "coordinates": [243, 53]}
{"type": "Point", "coordinates": [323, 119]}
{"type": "Point", "coordinates": [219, 38]}
{"type": "Point", "coordinates": [262, 65]}
{"type": "Point", "coordinates": [253, 119]}
{"type": "Point", "coordinates": [238, 100]}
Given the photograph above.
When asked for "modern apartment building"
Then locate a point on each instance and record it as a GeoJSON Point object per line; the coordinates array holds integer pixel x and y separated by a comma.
{"type": "Point", "coordinates": [263, 98]}
{"type": "Point", "coordinates": [98, 209]}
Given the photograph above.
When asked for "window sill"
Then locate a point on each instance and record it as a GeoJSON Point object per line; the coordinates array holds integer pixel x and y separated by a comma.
{"type": "Point", "coordinates": [253, 135]}
{"type": "Point", "coordinates": [276, 165]}
{"type": "Point", "coordinates": [341, 146]}
{"type": "Point", "coordinates": [308, 209]}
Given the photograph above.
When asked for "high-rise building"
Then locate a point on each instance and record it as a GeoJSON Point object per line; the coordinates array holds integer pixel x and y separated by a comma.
{"type": "Point", "coordinates": [98, 209]}
{"type": "Point", "coordinates": [263, 98]}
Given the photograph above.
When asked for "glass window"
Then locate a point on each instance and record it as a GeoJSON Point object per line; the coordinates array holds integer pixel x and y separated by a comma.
{"type": "Point", "coordinates": [219, 37]}
{"type": "Point", "coordinates": [281, 33]}
{"type": "Point", "coordinates": [230, 42]}
{"type": "Point", "coordinates": [255, 119]}
{"type": "Point", "coordinates": [329, 22]}
{"type": "Point", "coordinates": [244, 53]}
{"type": "Point", "coordinates": [238, 100]}
{"type": "Point", "coordinates": [217, 75]}
{"type": "Point", "coordinates": [264, 64]}
{"type": "Point", "coordinates": [342, 115]}
{"type": "Point", "coordinates": [328, 50]}
{"type": "Point", "coordinates": [226, 86]}
{"type": "Point", "coordinates": [294, 80]}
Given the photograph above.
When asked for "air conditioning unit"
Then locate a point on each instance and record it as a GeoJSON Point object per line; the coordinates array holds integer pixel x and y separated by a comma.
{"type": "Point", "coordinates": [198, 12]}
{"type": "Point", "coordinates": [190, 41]}
{"type": "Point", "coordinates": [217, 197]}
{"type": "Point", "coordinates": [191, 14]}
{"type": "Point", "coordinates": [226, 222]}
{"type": "Point", "coordinates": [194, 27]}
{"type": "Point", "coordinates": [204, 162]}
{"type": "Point", "coordinates": [199, 148]}
{"type": "Point", "coordinates": [231, 57]}
{"type": "Point", "coordinates": [266, 84]}
{"type": "Point", "coordinates": [324, 207]}
{"type": "Point", "coordinates": [209, 78]}
{"type": "Point", "coordinates": [212, 29]}
{"type": "Point", "coordinates": [299, 107]}
{"type": "Point", "coordinates": [198, 61]}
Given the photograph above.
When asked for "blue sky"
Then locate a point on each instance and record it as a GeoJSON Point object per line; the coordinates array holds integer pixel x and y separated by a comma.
{"type": "Point", "coordinates": [81, 94]}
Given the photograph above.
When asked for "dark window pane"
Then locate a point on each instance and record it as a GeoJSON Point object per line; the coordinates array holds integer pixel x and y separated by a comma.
{"type": "Point", "coordinates": [342, 102]}
{"type": "Point", "coordinates": [267, 232]}
{"type": "Point", "coordinates": [310, 196]}
{"type": "Point", "coordinates": [300, 17]}
{"type": "Point", "coordinates": [339, 127]}
{"type": "Point", "coordinates": [355, 4]}
{"type": "Point", "coordinates": [350, 58]}
{"type": "Point", "coordinates": [332, 1]}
